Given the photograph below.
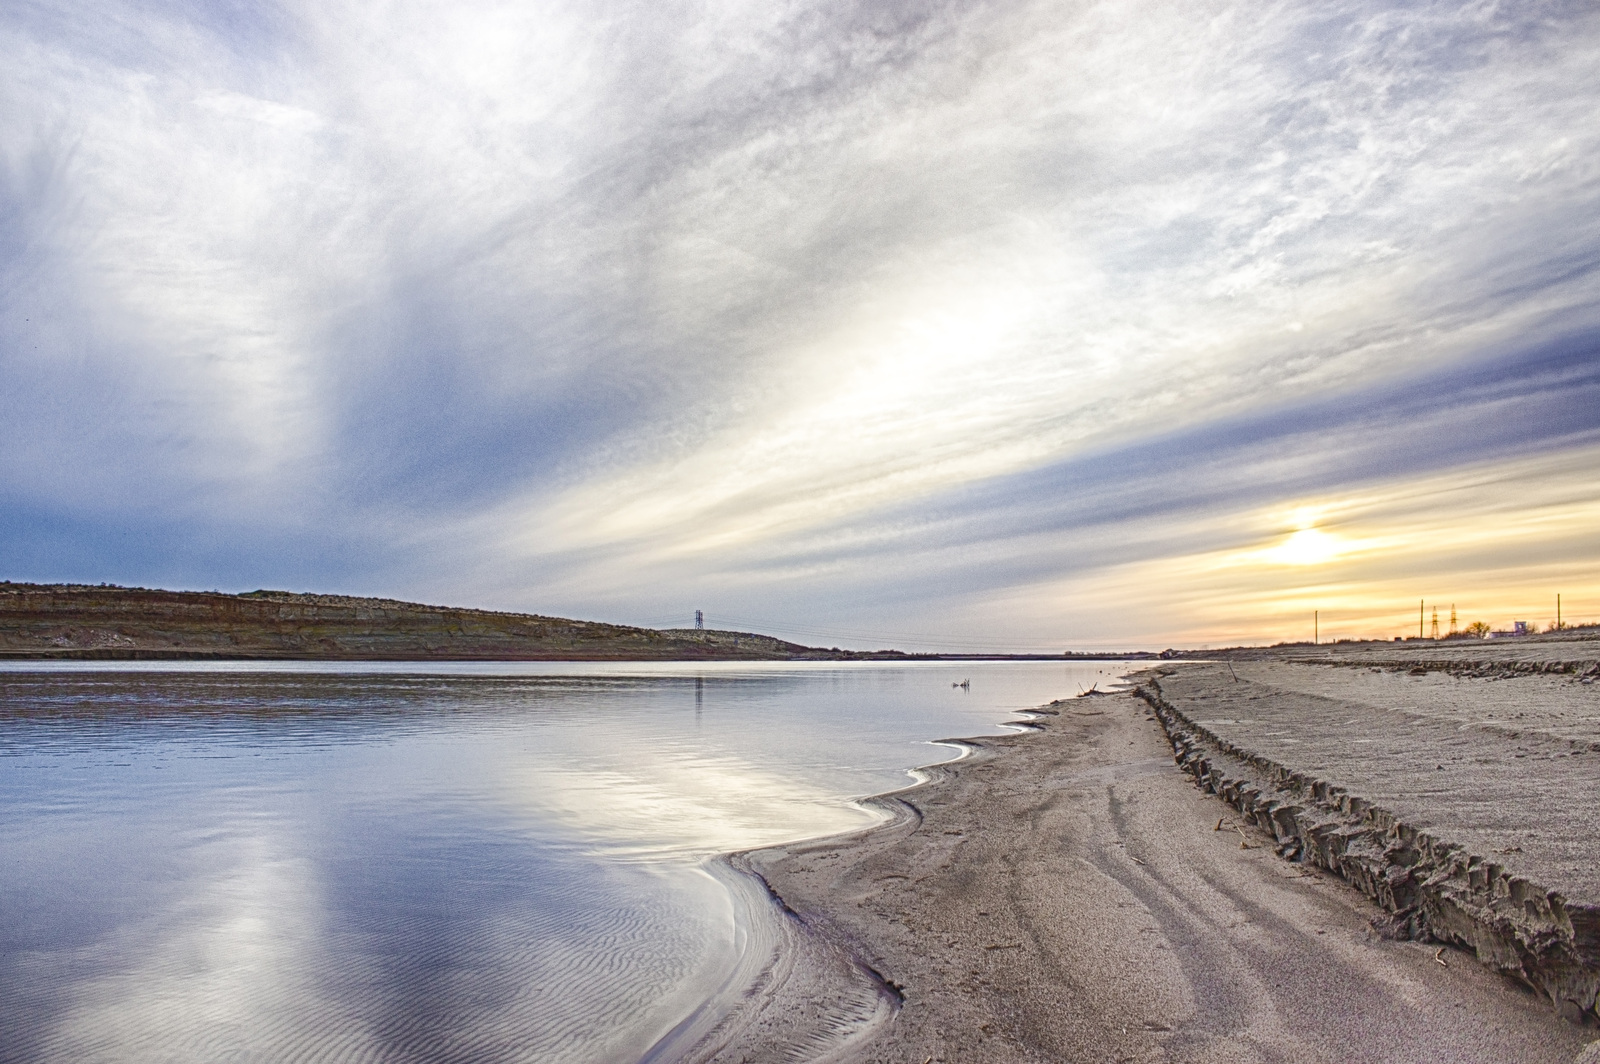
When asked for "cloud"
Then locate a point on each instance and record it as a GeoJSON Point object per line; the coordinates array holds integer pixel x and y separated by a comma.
{"type": "Point", "coordinates": [597, 307]}
{"type": "Point", "coordinates": [1498, 539]}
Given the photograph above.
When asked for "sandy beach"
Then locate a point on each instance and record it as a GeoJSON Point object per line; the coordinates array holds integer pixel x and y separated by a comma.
{"type": "Point", "coordinates": [1071, 893]}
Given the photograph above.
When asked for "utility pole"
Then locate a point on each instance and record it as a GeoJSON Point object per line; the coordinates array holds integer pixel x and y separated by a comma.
{"type": "Point", "coordinates": [1316, 634]}
{"type": "Point", "coordinates": [1421, 609]}
{"type": "Point", "coordinates": [1558, 612]}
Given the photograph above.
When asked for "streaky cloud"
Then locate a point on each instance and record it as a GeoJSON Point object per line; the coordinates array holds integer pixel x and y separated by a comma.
{"type": "Point", "coordinates": [832, 311]}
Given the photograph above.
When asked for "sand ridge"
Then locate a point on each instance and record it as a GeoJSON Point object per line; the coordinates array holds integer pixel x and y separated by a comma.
{"type": "Point", "coordinates": [1463, 806]}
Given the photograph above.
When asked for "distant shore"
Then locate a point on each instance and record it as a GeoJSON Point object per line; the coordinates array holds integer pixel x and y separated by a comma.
{"type": "Point", "coordinates": [82, 622]}
{"type": "Point", "coordinates": [1070, 894]}
{"type": "Point", "coordinates": [103, 623]}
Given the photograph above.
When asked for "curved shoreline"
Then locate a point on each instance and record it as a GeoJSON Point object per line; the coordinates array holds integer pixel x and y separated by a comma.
{"type": "Point", "coordinates": [1061, 894]}
{"type": "Point", "coordinates": [794, 973]}
{"type": "Point", "coordinates": [785, 994]}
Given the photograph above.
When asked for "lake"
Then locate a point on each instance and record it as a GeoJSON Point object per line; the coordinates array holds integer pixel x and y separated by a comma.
{"type": "Point", "coordinates": [425, 862]}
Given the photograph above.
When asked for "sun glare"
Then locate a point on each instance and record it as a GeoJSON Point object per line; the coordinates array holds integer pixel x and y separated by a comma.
{"type": "Point", "coordinates": [1309, 546]}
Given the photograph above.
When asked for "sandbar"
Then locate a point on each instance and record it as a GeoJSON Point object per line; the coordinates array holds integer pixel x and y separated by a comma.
{"type": "Point", "coordinates": [1070, 893]}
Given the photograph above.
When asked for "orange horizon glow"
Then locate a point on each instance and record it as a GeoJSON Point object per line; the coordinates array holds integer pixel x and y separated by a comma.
{"type": "Point", "coordinates": [1497, 542]}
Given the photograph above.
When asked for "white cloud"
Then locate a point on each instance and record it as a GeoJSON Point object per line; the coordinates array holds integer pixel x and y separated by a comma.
{"type": "Point", "coordinates": [602, 294]}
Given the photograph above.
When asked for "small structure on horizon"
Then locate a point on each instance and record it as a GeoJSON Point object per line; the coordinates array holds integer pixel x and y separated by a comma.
{"type": "Point", "coordinates": [699, 619]}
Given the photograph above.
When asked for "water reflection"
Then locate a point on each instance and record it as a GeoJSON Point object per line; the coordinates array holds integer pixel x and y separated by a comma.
{"type": "Point", "coordinates": [383, 865]}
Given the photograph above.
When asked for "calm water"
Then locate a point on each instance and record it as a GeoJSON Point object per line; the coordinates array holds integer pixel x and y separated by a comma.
{"type": "Point", "coordinates": [333, 862]}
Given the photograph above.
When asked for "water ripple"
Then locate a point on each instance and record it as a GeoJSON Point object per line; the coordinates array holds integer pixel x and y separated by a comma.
{"type": "Point", "coordinates": [378, 865]}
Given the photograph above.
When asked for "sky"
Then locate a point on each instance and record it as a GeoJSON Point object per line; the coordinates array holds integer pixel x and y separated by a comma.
{"type": "Point", "coordinates": [985, 325]}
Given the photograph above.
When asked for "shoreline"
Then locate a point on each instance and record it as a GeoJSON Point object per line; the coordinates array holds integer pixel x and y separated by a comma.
{"type": "Point", "coordinates": [1061, 893]}
{"type": "Point", "coordinates": [787, 992]}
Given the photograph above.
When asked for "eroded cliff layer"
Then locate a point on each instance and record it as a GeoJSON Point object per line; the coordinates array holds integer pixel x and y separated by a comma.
{"type": "Point", "coordinates": [1462, 804]}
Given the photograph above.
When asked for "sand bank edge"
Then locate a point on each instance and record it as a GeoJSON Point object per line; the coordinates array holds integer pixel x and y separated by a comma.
{"type": "Point", "coordinates": [1430, 889]}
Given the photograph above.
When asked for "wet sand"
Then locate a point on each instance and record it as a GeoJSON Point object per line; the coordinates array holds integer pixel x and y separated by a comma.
{"type": "Point", "coordinates": [1065, 895]}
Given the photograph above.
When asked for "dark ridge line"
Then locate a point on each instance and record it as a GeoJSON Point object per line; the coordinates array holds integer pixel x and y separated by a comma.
{"type": "Point", "coordinates": [740, 861]}
{"type": "Point", "coordinates": [1481, 668]}
{"type": "Point", "coordinates": [886, 986]}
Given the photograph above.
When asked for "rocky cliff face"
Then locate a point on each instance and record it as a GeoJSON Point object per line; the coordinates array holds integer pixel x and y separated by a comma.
{"type": "Point", "coordinates": [76, 621]}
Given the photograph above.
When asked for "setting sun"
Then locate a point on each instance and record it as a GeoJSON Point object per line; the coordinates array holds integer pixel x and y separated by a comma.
{"type": "Point", "coordinates": [1308, 546]}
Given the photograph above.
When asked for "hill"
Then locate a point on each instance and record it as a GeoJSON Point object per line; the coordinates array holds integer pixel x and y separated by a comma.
{"type": "Point", "coordinates": [106, 622]}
